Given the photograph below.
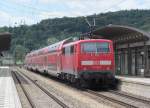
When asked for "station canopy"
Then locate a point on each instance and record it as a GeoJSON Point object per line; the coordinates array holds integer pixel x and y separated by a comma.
{"type": "Point", "coordinates": [121, 34]}
{"type": "Point", "coordinates": [5, 39]}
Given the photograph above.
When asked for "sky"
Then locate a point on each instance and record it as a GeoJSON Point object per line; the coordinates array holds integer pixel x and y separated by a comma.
{"type": "Point", "coordinates": [17, 12]}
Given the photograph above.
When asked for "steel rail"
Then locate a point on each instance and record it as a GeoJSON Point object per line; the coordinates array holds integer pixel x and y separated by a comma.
{"type": "Point", "coordinates": [131, 97]}
{"type": "Point", "coordinates": [47, 92]}
{"type": "Point", "coordinates": [14, 74]}
{"type": "Point", "coordinates": [111, 99]}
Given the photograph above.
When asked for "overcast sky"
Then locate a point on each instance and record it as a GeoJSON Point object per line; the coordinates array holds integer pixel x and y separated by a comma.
{"type": "Point", "coordinates": [16, 12]}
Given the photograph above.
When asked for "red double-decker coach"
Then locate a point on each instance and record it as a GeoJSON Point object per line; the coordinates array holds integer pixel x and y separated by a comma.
{"type": "Point", "coordinates": [85, 61]}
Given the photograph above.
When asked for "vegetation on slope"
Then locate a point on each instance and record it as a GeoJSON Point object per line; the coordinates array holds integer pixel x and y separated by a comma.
{"type": "Point", "coordinates": [26, 38]}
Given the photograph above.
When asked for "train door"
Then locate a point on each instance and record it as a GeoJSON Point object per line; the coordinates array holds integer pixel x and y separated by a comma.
{"type": "Point", "coordinates": [72, 52]}
{"type": "Point", "coordinates": [59, 61]}
{"type": "Point", "coordinates": [45, 63]}
{"type": "Point", "coordinates": [68, 59]}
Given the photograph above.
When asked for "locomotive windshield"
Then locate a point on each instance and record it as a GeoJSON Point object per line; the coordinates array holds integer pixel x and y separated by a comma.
{"type": "Point", "coordinates": [95, 47]}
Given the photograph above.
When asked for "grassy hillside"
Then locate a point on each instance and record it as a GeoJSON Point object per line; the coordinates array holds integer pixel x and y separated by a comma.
{"type": "Point", "coordinates": [26, 38]}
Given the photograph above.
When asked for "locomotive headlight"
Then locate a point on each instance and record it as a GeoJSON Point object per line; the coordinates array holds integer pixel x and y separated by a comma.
{"type": "Point", "coordinates": [105, 62]}
{"type": "Point", "coordinates": [88, 62]}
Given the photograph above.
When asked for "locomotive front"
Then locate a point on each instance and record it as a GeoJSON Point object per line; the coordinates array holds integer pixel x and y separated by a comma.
{"type": "Point", "coordinates": [96, 60]}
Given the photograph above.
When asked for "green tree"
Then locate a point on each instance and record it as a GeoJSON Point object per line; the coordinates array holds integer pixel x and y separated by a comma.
{"type": "Point", "coordinates": [52, 40]}
{"type": "Point", "coordinates": [50, 31]}
{"type": "Point", "coordinates": [19, 53]}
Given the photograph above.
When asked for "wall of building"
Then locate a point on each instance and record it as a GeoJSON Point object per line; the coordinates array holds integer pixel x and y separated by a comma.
{"type": "Point", "coordinates": [133, 59]}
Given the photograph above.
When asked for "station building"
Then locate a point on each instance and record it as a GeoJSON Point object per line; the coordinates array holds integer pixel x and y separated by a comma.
{"type": "Point", "coordinates": [132, 49]}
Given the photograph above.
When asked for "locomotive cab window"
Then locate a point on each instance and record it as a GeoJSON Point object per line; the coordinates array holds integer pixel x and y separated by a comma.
{"type": "Point", "coordinates": [68, 50]}
{"type": "Point", "coordinates": [63, 51]}
{"type": "Point", "coordinates": [95, 47]}
{"type": "Point", "coordinates": [72, 50]}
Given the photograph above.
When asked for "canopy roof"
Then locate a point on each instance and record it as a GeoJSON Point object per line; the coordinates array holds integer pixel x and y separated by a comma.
{"type": "Point", "coordinates": [5, 39]}
{"type": "Point", "coordinates": [121, 34]}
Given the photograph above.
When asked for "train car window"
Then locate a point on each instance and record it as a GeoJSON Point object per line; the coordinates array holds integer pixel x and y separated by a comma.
{"type": "Point", "coordinates": [63, 51]}
{"type": "Point", "coordinates": [67, 50]}
{"type": "Point", "coordinates": [72, 50]}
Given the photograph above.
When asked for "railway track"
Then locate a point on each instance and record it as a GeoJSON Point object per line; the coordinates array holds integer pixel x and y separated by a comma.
{"type": "Point", "coordinates": [24, 90]}
{"type": "Point", "coordinates": [123, 103]}
{"type": "Point", "coordinates": [111, 99]}
{"type": "Point", "coordinates": [16, 74]}
{"type": "Point", "coordinates": [142, 101]}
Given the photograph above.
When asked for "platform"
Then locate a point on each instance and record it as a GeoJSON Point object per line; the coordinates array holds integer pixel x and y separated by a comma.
{"type": "Point", "coordinates": [139, 80]}
{"type": "Point", "coordinates": [135, 85]}
{"type": "Point", "coordinates": [8, 94]}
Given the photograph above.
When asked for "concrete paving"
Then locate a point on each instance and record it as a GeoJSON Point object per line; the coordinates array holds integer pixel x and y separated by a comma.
{"type": "Point", "coordinates": [8, 94]}
{"type": "Point", "coordinates": [135, 85]}
{"type": "Point", "coordinates": [141, 80]}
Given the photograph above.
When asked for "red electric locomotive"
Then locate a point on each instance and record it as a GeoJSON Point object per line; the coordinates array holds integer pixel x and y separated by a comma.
{"type": "Point", "coordinates": [84, 61]}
